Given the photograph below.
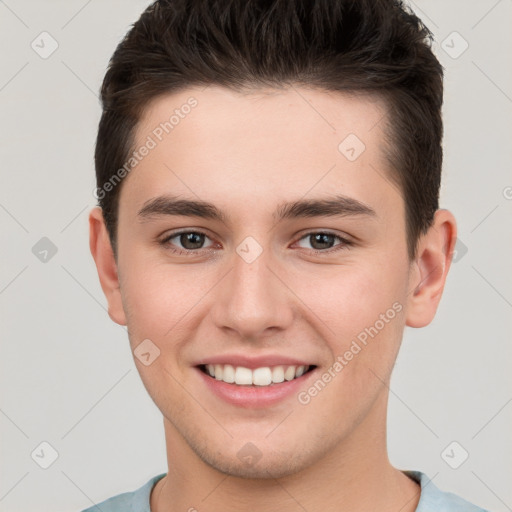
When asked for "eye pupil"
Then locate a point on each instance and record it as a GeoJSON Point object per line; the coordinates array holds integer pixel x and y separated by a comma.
{"type": "Point", "coordinates": [192, 240]}
{"type": "Point", "coordinates": [322, 238]}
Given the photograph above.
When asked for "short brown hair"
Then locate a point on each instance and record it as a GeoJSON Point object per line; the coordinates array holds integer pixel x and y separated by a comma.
{"type": "Point", "coordinates": [365, 46]}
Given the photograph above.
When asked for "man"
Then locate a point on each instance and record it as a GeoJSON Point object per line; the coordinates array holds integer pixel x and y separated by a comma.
{"type": "Point", "coordinates": [268, 177]}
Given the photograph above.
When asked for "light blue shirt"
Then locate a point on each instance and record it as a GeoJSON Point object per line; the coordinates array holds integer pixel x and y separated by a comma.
{"type": "Point", "coordinates": [432, 499]}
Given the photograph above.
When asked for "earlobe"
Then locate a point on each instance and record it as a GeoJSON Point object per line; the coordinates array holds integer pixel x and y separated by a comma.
{"type": "Point", "coordinates": [429, 271]}
{"type": "Point", "coordinates": [101, 250]}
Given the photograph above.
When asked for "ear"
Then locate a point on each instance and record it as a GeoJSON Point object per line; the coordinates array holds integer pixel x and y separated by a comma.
{"type": "Point", "coordinates": [430, 269]}
{"type": "Point", "coordinates": [101, 250]}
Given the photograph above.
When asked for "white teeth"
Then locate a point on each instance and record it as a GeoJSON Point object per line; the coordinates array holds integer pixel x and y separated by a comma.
{"type": "Point", "coordinates": [277, 374]}
{"type": "Point", "coordinates": [289, 373]}
{"type": "Point", "coordinates": [219, 370]}
{"type": "Point", "coordinates": [264, 376]}
{"type": "Point", "coordinates": [243, 375]}
{"type": "Point", "coordinates": [229, 374]}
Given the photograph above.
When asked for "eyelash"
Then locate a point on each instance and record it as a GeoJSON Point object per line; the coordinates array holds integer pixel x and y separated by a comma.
{"type": "Point", "coordinates": [345, 244]}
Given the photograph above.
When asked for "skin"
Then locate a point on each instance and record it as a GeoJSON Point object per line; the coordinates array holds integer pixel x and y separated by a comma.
{"type": "Point", "coordinates": [247, 154]}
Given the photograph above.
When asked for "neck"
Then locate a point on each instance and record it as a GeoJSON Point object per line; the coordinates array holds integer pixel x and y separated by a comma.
{"type": "Point", "coordinates": [355, 476]}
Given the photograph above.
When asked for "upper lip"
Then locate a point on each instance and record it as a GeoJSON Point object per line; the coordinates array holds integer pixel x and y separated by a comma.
{"type": "Point", "coordinates": [253, 362]}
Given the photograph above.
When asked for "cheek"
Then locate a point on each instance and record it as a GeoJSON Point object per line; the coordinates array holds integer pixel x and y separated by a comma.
{"type": "Point", "coordinates": [362, 321]}
{"type": "Point", "coordinates": [352, 298]}
{"type": "Point", "coordinates": [157, 296]}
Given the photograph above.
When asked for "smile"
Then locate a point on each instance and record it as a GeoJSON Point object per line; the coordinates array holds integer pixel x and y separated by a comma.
{"type": "Point", "coordinates": [262, 376]}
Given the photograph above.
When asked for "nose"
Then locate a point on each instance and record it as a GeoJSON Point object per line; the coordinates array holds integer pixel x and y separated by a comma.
{"type": "Point", "coordinates": [253, 300]}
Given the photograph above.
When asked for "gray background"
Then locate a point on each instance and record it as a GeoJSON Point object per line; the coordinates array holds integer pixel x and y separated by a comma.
{"type": "Point", "coordinates": [67, 376]}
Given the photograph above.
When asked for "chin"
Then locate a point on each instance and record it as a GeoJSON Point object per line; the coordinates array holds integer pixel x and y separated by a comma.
{"type": "Point", "coordinates": [250, 462]}
{"type": "Point", "coordinates": [268, 466]}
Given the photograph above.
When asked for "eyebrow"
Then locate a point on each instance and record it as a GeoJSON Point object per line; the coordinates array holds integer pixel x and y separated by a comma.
{"type": "Point", "coordinates": [338, 205]}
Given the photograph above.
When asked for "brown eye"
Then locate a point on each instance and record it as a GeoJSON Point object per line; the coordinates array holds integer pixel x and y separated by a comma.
{"type": "Point", "coordinates": [185, 242]}
{"type": "Point", "coordinates": [191, 240]}
{"type": "Point", "coordinates": [321, 240]}
{"type": "Point", "coordinates": [324, 242]}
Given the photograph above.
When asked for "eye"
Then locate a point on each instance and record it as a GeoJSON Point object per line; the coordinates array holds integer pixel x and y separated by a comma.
{"type": "Point", "coordinates": [190, 241]}
{"type": "Point", "coordinates": [322, 242]}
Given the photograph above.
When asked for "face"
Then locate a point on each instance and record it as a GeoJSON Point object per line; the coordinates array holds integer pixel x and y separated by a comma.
{"type": "Point", "coordinates": [294, 256]}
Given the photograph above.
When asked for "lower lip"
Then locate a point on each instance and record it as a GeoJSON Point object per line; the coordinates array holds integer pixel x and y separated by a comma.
{"type": "Point", "coordinates": [254, 396]}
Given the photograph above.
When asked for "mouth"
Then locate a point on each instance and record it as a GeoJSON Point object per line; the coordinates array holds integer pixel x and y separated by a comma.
{"type": "Point", "coordinates": [265, 376]}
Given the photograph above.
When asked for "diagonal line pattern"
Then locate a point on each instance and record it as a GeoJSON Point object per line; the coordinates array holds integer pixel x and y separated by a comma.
{"type": "Point", "coordinates": [13, 76]}
{"type": "Point", "coordinates": [486, 14]}
{"type": "Point", "coordinates": [424, 14]}
{"type": "Point", "coordinates": [280, 423]}
{"type": "Point", "coordinates": [91, 295]}
{"type": "Point", "coordinates": [491, 490]}
{"type": "Point", "coordinates": [13, 279]}
{"type": "Point", "coordinates": [287, 492]}
{"type": "Point", "coordinates": [215, 488]}
{"type": "Point", "coordinates": [493, 287]}
{"type": "Point", "coordinates": [394, 394]}
{"type": "Point", "coordinates": [484, 218]}
{"type": "Point", "coordinates": [198, 403]}
{"type": "Point", "coordinates": [181, 180]}
{"type": "Point", "coordinates": [5, 495]}
{"type": "Point", "coordinates": [76, 14]}
{"type": "Point", "coordinates": [330, 125]}
{"type": "Point", "coordinates": [17, 426]}
{"type": "Point", "coordinates": [385, 178]}
{"type": "Point", "coordinates": [14, 218]}
{"type": "Point", "coordinates": [13, 13]}
{"type": "Point", "coordinates": [104, 395]}
{"type": "Point", "coordinates": [84, 288]}
{"type": "Point", "coordinates": [418, 494]}
{"type": "Point", "coordinates": [485, 425]}
{"type": "Point", "coordinates": [81, 490]}
{"type": "Point", "coordinates": [492, 81]}
{"type": "Point", "coordinates": [96, 96]}
{"type": "Point", "coordinates": [74, 218]}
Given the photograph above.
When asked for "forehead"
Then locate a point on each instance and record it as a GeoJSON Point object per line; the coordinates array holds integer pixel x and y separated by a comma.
{"type": "Point", "coordinates": [222, 145]}
{"type": "Point", "coordinates": [292, 113]}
